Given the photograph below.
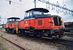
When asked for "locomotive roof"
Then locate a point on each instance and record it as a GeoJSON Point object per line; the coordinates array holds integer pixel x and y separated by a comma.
{"type": "Point", "coordinates": [13, 18]}
{"type": "Point", "coordinates": [38, 9]}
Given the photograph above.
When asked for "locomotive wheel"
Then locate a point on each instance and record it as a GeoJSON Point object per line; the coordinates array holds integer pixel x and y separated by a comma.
{"type": "Point", "coordinates": [30, 31]}
{"type": "Point", "coordinates": [38, 34]}
{"type": "Point", "coordinates": [57, 37]}
{"type": "Point", "coordinates": [60, 36]}
{"type": "Point", "coordinates": [21, 32]}
{"type": "Point", "coordinates": [13, 31]}
{"type": "Point", "coordinates": [6, 30]}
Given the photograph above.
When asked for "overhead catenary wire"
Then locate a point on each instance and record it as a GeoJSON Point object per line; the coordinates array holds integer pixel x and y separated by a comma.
{"type": "Point", "coordinates": [56, 5]}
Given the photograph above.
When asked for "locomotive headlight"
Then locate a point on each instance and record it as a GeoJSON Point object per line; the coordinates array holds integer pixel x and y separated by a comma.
{"type": "Point", "coordinates": [26, 23]}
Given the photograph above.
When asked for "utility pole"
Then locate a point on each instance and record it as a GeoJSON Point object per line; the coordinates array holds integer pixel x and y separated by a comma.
{"type": "Point", "coordinates": [20, 0]}
{"type": "Point", "coordinates": [10, 2]}
{"type": "Point", "coordinates": [35, 3]}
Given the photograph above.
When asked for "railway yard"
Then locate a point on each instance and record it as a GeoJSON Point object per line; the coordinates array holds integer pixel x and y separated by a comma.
{"type": "Point", "coordinates": [15, 42]}
{"type": "Point", "coordinates": [36, 25]}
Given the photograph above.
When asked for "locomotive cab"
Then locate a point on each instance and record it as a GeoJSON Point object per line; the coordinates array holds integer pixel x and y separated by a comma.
{"type": "Point", "coordinates": [12, 19]}
{"type": "Point", "coordinates": [43, 24]}
{"type": "Point", "coordinates": [11, 24]}
{"type": "Point", "coordinates": [36, 13]}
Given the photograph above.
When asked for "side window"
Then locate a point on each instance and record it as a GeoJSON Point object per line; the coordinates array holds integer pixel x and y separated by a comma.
{"type": "Point", "coordinates": [37, 13]}
{"type": "Point", "coordinates": [28, 15]}
{"type": "Point", "coordinates": [10, 19]}
{"type": "Point", "coordinates": [17, 19]}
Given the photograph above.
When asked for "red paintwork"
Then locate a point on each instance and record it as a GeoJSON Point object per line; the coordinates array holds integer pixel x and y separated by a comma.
{"type": "Point", "coordinates": [10, 25]}
{"type": "Point", "coordinates": [47, 23]}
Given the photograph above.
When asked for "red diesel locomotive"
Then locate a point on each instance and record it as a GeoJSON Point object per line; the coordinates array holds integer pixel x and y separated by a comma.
{"type": "Point", "coordinates": [11, 25]}
{"type": "Point", "coordinates": [37, 22]}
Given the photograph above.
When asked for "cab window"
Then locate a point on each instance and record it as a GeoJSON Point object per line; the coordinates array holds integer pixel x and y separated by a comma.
{"type": "Point", "coordinates": [28, 15]}
{"type": "Point", "coordinates": [37, 13]}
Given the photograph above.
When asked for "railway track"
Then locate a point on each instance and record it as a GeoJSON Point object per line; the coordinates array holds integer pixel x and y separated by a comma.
{"type": "Point", "coordinates": [64, 42]}
{"type": "Point", "coordinates": [62, 39]}
{"type": "Point", "coordinates": [13, 43]}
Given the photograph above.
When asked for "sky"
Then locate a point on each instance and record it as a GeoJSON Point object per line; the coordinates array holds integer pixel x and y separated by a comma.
{"type": "Point", "coordinates": [17, 8]}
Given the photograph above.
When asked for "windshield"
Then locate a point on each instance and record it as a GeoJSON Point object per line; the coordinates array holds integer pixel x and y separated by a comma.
{"type": "Point", "coordinates": [37, 13]}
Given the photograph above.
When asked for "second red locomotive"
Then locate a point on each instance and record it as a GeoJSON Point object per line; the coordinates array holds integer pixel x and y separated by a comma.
{"type": "Point", "coordinates": [37, 22]}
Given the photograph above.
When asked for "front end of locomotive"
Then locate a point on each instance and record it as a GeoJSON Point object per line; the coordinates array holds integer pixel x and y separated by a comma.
{"type": "Point", "coordinates": [57, 28]}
